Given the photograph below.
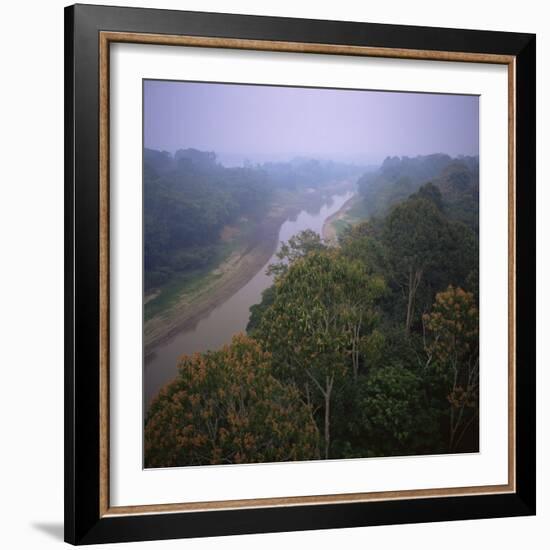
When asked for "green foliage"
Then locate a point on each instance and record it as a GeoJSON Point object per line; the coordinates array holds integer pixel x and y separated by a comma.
{"type": "Point", "coordinates": [257, 310]}
{"type": "Point", "coordinates": [415, 234]}
{"type": "Point", "coordinates": [397, 179]}
{"type": "Point", "coordinates": [393, 413]}
{"type": "Point", "coordinates": [368, 348]}
{"type": "Point", "coordinates": [416, 237]}
{"type": "Point", "coordinates": [459, 186]}
{"type": "Point", "coordinates": [451, 184]}
{"type": "Point", "coordinates": [430, 192]}
{"type": "Point", "coordinates": [297, 247]}
{"type": "Point", "coordinates": [362, 242]}
{"type": "Point", "coordinates": [425, 251]}
{"type": "Point", "coordinates": [320, 305]}
{"type": "Point", "coordinates": [384, 395]}
{"type": "Point", "coordinates": [384, 391]}
{"type": "Point", "coordinates": [320, 321]}
{"type": "Point", "coordinates": [225, 407]}
{"type": "Point", "coordinates": [188, 199]}
{"type": "Point", "coordinates": [461, 257]}
{"type": "Point", "coordinates": [452, 348]}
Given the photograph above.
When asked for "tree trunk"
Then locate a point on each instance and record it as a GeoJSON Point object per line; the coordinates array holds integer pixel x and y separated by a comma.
{"type": "Point", "coordinates": [410, 302]}
{"type": "Point", "coordinates": [328, 392]}
{"type": "Point", "coordinates": [414, 281]}
{"type": "Point", "coordinates": [355, 355]}
{"type": "Point", "coordinates": [355, 347]}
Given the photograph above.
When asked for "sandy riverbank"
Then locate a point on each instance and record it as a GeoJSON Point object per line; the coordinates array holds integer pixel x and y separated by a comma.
{"type": "Point", "coordinates": [328, 232]}
{"type": "Point", "coordinates": [231, 275]}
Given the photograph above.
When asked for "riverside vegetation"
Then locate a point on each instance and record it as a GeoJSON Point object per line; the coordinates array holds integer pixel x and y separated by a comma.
{"type": "Point", "coordinates": [209, 229]}
{"type": "Point", "coordinates": [363, 348]}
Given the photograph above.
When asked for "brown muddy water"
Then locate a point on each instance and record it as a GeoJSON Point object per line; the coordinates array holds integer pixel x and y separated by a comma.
{"type": "Point", "coordinates": [231, 316]}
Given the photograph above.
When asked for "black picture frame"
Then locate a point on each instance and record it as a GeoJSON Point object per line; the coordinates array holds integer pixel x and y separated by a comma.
{"type": "Point", "coordinates": [84, 523]}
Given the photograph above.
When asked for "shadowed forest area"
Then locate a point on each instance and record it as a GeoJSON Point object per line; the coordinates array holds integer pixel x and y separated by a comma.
{"type": "Point", "coordinates": [363, 347]}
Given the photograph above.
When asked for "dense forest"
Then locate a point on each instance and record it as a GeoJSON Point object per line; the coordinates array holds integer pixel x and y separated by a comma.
{"type": "Point", "coordinates": [457, 179]}
{"type": "Point", "coordinates": [368, 348]}
{"type": "Point", "coordinates": [189, 197]}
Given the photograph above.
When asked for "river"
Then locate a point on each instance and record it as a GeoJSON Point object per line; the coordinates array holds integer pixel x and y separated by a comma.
{"type": "Point", "coordinates": [231, 316]}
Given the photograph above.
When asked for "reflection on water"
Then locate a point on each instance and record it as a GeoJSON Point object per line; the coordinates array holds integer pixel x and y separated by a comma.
{"type": "Point", "coordinates": [231, 316]}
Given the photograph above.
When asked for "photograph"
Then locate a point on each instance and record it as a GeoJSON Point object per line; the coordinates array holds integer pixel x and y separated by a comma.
{"type": "Point", "coordinates": [299, 274]}
{"type": "Point", "coordinates": [310, 273]}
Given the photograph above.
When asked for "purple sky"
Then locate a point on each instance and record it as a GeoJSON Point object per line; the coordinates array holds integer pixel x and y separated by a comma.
{"type": "Point", "coordinates": [277, 123]}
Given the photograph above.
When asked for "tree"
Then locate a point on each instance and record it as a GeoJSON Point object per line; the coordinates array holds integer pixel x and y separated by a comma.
{"type": "Point", "coordinates": [393, 416]}
{"type": "Point", "coordinates": [430, 192]}
{"type": "Point", "coordinates": [362, 242]}
{"type": "Point", "coordinates": [320, 319]}
{"type": "Point", "coordinates": [416, 235]}
{"type": "Point", "coordinates": [188, 199]}
{"type": "Point", "coordinates": [257, 310]}
{"type": "Point", "coordinates": [452, 348]}
{"type": "Point", "coordinates": [226, 407]}
{"type": "Point", "coordinates": [297, 247]}
{"type": "Point", "coordinates": [462, 255]}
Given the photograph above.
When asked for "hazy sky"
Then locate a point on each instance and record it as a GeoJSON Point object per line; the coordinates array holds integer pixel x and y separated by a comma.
{"type": "Point", "coordinates": [274, 123]}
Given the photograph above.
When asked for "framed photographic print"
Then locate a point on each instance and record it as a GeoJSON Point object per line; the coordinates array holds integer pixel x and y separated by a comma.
{"type": "Point", "coordinates": [299, 274]}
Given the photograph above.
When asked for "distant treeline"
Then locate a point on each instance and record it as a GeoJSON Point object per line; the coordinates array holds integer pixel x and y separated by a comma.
{"type": "Point", "coordinates": [303, 172]}
{"type": "Point", "coordinates": [365, 349]}
{"type": "Point", "coordinates": [457, 179]}
{"type": "Point", "coordinates": [189, 197]}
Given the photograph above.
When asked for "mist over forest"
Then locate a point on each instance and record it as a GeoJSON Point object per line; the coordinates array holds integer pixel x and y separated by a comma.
{"type": "Point", "coordinates": [190, 197]}
{"type": "Point", "coordinates": [365, 345]}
